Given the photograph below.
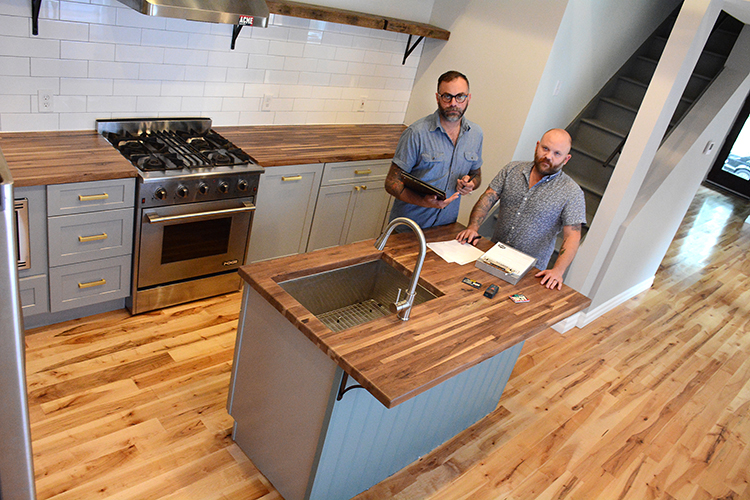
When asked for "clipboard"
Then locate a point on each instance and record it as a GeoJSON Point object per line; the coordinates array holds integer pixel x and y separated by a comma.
{"type": "Point", "coordinates": [419, 185]}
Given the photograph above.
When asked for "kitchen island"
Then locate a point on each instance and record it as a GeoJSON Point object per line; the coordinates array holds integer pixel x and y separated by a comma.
{"type": "Point", "coordinates": [327, 414]}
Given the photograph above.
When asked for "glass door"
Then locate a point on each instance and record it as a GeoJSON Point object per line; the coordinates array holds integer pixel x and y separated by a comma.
{"type": "Point", "coordinates": [731, 170]}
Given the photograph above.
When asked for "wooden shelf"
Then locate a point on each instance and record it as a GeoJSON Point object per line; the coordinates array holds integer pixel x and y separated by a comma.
{"type": "Point", "coordinates": [340, 16]}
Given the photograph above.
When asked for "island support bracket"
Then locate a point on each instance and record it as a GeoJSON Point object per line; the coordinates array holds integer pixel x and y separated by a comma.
{"type": "Point", "coordinates": [343, 388]}
{"type": "Point", "coordinates": [35, 6]}
{"type": "Point", "coordinates": [410, 48]}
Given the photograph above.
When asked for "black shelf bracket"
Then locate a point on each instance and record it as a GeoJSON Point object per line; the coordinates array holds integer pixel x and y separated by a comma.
{"type": "Point", "coordinates": [410, 48]}
{"type": "Point", "coordinates": [35, 6]}
{"type": "Point", "coordinates": [235, 33]}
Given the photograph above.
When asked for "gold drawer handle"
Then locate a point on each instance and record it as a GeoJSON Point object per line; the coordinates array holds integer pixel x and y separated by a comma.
{"type": "Point", "coordinates": [96, 237]}
{"type": "Point", "coordinates": [92, 197]}
{"type": "Point", "coordinates": [360, 188]}
{"type": "Point", "coordinates": [92, 283]}
{"type": "Point", "coordinates": [363, 172]}
{"type": "Point", "coordinates": [291, 178]}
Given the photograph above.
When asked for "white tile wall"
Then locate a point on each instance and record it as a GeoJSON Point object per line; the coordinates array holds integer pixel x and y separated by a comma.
{"type": "Point", "coordinates": [101, 59]}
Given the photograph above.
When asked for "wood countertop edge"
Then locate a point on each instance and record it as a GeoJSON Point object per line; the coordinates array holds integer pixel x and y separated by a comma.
{"type": "Point", "coordinates": [263, 277]}
{"type": "Point", "coordinates": [58, 157]}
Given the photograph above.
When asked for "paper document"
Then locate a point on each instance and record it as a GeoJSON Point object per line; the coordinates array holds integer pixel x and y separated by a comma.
{"type": "Point", "coordinates": [455, 251]}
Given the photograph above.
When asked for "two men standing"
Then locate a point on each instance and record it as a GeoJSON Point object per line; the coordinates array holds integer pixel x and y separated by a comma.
{"type": "Point", "coordinates": [536, 199]}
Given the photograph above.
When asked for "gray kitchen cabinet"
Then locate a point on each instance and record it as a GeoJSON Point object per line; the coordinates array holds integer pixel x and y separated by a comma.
{"type": "Point", "coordinates": [352, 205]}
{"type": "Point", "coordinates": [32, 282]}
{"type": "Point", "coordinates": [284, 213]}
{"type": "Point", "coordinates": [90, 240]}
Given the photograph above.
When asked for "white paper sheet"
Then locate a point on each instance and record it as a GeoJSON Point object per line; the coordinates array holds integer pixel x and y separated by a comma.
{"type": "Point", "coordinates": [455, 251]}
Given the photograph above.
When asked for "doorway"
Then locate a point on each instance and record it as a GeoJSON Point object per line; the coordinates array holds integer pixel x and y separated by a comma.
{"type": "Point", "coordinates": [731, 170]}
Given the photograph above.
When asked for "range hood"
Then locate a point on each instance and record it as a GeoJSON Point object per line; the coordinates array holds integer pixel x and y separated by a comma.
{"type": "Point", "coordinates": [237, 12]}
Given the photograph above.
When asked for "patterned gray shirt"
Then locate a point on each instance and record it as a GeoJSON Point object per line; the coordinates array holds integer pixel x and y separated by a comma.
{"type": "Point", "coordinates": [530, 219]}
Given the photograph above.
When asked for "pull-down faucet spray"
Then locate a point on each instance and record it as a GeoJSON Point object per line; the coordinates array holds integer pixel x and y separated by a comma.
{"type": "Point", "coordinates": [403, 307]}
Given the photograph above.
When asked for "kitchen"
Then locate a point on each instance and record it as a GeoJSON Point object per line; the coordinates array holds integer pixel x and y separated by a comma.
{"type": "Point", "coordinates": [107, 97]}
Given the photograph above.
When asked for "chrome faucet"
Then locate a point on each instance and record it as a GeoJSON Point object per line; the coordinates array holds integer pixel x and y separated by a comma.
{"type": "Point", "coordinates": [403, 307]}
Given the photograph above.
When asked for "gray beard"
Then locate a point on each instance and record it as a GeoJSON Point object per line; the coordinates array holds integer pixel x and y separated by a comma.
{"type": "Point", "coordinates": [453, 117]}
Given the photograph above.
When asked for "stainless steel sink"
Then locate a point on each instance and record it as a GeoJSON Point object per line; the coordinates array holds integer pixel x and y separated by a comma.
{"type": "Point", "coordinates": [349, 296]}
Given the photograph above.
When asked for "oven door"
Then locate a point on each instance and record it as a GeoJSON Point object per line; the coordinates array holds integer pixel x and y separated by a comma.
{"type": "Point", "coordinates": [179, 242]}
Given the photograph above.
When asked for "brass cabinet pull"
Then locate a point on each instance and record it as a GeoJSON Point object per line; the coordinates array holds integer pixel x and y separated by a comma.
{"type": "Point", "coordinates": [360, 188]}
{"type": "Point", "coordinates": [364, 188]}
{"type": "Point", "coordinates": [363, 172]}
{"type": "Point", "coordinates": [357, 188]}
{"type": "Point", "coordinates": [92, 283]}
{"type": "Point", "coordinates": [291, 178]}
{"type": "Point", "coordinates": [96, 237]}
{"type": "Point", "coordinates": [93, 197]}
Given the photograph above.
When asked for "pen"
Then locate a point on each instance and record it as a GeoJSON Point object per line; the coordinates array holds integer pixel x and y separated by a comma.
{"type": "Point", "coordinates": [475, 238]}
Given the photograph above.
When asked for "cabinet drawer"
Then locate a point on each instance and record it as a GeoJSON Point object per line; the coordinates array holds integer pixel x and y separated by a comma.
{"type": "Point", "coordinates": [77, 285]}
{"type": "Point", "coordinates": [81, 197]}
{"type": "Point", "coordinates": [34, 294]}
{"type": "Point", "coordinates": [81, 237]}
{"type": "Point", "coordinates": [355, 171]}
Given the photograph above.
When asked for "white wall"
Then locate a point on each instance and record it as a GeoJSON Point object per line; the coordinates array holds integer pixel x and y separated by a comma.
{"type": "Point", "coordinates": [101, 59]}
{"type": "Point", "coordinates": [515, 52]}
{"type": "Point", "coordinates": [672, 180]}
{"type": "Point", "coordinates": [595, 39]}
{"type": "Point", "coordinates": [502, 47]}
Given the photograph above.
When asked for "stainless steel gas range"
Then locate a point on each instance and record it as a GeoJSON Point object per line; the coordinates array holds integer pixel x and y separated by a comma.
{"type": "Point", "coordinates": [195, 200]}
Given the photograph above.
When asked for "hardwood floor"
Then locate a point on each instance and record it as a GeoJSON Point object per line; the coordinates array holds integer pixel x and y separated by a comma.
{"type": "Point", "coordinates": [652, 400]}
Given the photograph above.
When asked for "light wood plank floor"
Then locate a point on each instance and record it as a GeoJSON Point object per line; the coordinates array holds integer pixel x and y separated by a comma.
{"type": "Point", "coordinates": [652, 400]}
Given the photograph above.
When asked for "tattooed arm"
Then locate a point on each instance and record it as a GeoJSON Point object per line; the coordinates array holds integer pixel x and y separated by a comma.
{"type": "Point", "coordinates": [478, 215]}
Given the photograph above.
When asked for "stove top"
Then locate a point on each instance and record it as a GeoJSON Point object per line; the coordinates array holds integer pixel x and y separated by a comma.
{"type": "Point", "coordinates": [174, 146]}
{"type": "Point", "coordinates": [182, 160]}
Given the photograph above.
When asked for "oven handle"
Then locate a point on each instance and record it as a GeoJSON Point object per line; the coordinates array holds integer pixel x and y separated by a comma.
{"type": "Point", "coordinates": [157, 219]}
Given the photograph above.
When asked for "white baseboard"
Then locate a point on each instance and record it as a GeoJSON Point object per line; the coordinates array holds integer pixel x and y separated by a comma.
{"type": "Point", "coordinates": [583, 318]}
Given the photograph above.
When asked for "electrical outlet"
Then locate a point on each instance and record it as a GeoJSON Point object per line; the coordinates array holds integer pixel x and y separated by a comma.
{"type": "Point", "coordinates": [361, 103]}
{"type": "Point", "coordinates": [265, 105]}
{"type": "Point", "coordinates": [46, 101]}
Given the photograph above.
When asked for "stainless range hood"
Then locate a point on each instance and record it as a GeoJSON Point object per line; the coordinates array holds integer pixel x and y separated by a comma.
{"type": "Point", "coordinates": [237, 12]}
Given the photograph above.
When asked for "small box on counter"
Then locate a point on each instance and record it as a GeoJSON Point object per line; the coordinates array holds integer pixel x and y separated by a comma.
{"type": "Point", "coordinates": [506, 263]}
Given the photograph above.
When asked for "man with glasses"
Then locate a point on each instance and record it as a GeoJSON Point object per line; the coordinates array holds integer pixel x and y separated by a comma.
{"type": "Point", "coordinates": [443, 149]}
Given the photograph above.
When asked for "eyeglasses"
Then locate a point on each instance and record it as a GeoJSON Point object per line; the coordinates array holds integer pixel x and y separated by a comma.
{"type": "Point", "coordinates": [446, 98]}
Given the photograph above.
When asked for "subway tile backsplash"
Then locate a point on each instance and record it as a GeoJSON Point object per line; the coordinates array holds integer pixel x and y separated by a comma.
{"type": "Point", "coordinates": [100, 59]}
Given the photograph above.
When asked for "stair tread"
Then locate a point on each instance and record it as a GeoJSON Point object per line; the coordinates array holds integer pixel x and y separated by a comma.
{"type": "Point", "coordinates": [588, 153]}
{"type": "Point", "coordinates": [619, 103]}
{"type": "Point", "coordinates": [632, 80]}
{"type": "Point", "coordinates": [602, 126]}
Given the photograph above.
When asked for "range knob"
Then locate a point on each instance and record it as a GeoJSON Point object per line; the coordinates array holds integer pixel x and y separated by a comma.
{"type": "Point", "coordinates": [223, 187]}
{"type": "Point", "coordinates": [203, 188]}
{"type": "Point", "coordinates": [161, 193]}
{"type": "Point", "coordinates": [182, 191]}
{"type": "Point", "coordinates": [242, 185]}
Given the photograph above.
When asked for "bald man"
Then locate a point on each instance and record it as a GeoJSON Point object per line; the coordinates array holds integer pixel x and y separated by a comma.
{"type": "Point", "coordinates": [537, 201]}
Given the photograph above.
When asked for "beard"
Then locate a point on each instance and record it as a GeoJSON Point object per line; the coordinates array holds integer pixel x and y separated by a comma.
{"type": "Point", "coordinates": [451, 113]}
{"type": "Point", "coordinates": [545, 167]}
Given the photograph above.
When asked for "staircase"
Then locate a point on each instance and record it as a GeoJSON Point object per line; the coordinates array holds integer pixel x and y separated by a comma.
{"type": "Point", "coordinates": [600, 130]}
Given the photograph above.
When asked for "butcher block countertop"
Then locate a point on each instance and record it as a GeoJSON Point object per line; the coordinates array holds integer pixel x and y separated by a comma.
{"type": "Point", "coordinates": [40, 158]}
{"type": "Point", "coordinates": [274, 146]}
{"type": "Point", "coordinates": [396, 360]}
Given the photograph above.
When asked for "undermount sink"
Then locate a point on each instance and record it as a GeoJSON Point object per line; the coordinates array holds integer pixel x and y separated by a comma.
{"type": "Point", "coordinates": [348, 296]}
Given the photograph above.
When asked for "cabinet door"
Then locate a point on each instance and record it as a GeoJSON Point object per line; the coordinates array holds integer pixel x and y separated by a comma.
{"type": "Point", "coordinates": [370, 205]}
{"type": "Point", "coordinates": [332, 216]}
{"type": "Point", "coordinates": [285, 206]}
